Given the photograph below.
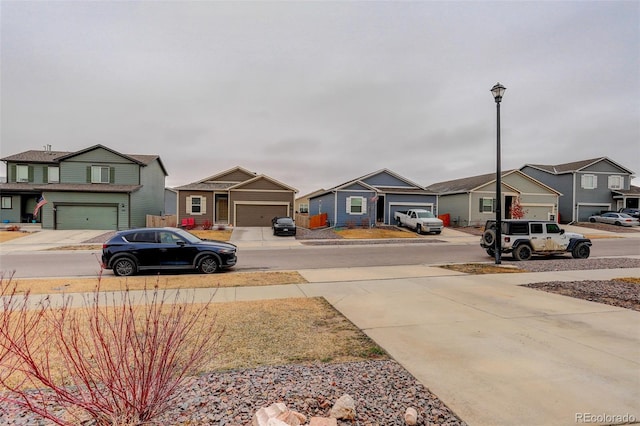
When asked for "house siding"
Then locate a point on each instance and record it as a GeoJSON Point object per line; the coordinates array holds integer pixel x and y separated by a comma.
{"type": "Point", "coordinates": [209, 213]}
{"type": "Point", "coordinates": [456, 206]}
{"type": "Point", "coordinates": [150, 198]}
{"type": "Point", "coordinates": [561, 183]}
{"type": "Point", "coordinates": [323, 204]}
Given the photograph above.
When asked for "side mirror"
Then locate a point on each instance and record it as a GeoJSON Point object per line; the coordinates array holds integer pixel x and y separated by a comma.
{"type": "Point", "coordinates": [561, 231]}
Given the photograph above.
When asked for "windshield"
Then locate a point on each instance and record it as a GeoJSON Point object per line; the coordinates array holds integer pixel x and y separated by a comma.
{"type": "Point", "coordinates": [188, 236]}
{"type": "Point", "coordinates": [425, 215]}
{"type": "Point", "coordinates": [285, 221]}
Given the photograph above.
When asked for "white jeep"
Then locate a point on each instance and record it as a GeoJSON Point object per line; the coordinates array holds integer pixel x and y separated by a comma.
{"type": "Point", "coordinates": [524, 238]}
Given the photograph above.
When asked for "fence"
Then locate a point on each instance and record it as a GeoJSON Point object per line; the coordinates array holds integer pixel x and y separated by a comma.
{"type": "Point", "coordinates": [161, 221]}
{"type": "Point", "coordinates": [311, 222]}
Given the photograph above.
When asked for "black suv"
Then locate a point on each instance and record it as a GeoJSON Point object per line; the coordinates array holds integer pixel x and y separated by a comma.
{"type": "Point", "coordinates": [524, 238]}
{"type": "Point", "coordinates": [165, 248]}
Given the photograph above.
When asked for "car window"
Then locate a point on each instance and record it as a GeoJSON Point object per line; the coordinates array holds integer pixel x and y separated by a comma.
{"type": "Point", "coordinates": [518, 228]}
{"type": "Point", "coordinates": [187, 236]}
{"type": "Point", "coordinates": [553, 228]}
{"type": "Point", "coordinates": [608, 215]}
{"type": "Point", "coordinates": [142, 237]}
{"type": "Point", "coordinates": [425, 215]}
{"type": "Point", "coordinates": [536, 228]}
{"type": "Point", "coordinates": [167, 237]}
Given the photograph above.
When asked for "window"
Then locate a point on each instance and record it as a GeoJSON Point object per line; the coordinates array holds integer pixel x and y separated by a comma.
{"type": "Point", "coordinates": [303, 207]}
{"type": "Point", "coordinates": [552, 228]}
{"type": "Point", "coordinates": [487, 205]}
{"type": "Point", "coordinates": [53, 174]}
{"type": "Point", "coordinates": [6, 202]}
{"type": "Point", "coordinates": [99, 174]}
{"type": "Point", "coordinates": [196, 205]}
{"type": "Point", "coordinates": [536, 228]}
{"type": "Point", "coordinates": [356, 205]}
{"type": "Point", "coordinates": [22, 173]}
{"type": "Point", "coordinates": [589, 181]}
{"type": "Point", "coordinates": [616, 182]}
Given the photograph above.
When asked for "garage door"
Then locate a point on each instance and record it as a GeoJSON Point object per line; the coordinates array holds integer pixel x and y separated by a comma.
{"type": "Point", "coordinates": [258, 215]}
{"type": "Point", "coordinates": [537, 212]}
{"type": "Point", "coordinates": [585, 211]}
{"type": "Point", "coordinates": [87, 217]}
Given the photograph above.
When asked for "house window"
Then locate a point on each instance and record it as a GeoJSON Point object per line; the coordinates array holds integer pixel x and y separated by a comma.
{"type": "Point", "coordinates": [356, 205]}
{"type": "Point", "coordinates": [6, 202]}
{"type": "Point", "coordinates": [589, 181]}
{"type": "Point", "coordinates": [99, 174]}
{"type": "Point", "coordinates": [22, 173]}
{"type": "Point", "coordinates": [53, 174]}
{"type": "Point", "coordinates": [196, 204]}
{"type": "Point", "coordinates": [616, 182]}
{"type": "Point", "coordinates": [303, 208]}
{"type": "Point", "coordinates": [486, 205]}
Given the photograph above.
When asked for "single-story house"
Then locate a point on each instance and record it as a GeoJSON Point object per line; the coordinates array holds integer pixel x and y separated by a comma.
{"type": "Point", "coordinates": [471, 201]}
{"type": "Point", "coordinates": [235, 197]}
{"type": "Point", "coordinates": [371, 199]}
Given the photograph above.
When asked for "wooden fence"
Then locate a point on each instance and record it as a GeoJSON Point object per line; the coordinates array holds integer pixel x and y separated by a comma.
{"type": "Point", "coordinates": [311, 222]}
{"type": "Point", "coordinates": [161, 221]}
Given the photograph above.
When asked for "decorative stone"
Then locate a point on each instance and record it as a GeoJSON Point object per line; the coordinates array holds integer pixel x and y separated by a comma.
{"type": "Point", "coordinates": [323, 421]}
{"type": "Point", "coordinates": [277, 415]}
{"type": "Point", "coordinates": [411, 416]}
{"type": "Point", "coordinates": [344, 408]}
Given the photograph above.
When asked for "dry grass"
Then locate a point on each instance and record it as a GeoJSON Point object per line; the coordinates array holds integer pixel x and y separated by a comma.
{"type": "Point", "coordinates": [632, 280]}
{"type": "Point", "coordinates": [482, 268]}
{"type": "Point", "coordinates": [111, 283]}
{"type": "Point", "coordinates": [11, 235]}
{"type": "Point", "coordinates": [375, 233]}
{"type": "Point", "coordinates": [212, 234]}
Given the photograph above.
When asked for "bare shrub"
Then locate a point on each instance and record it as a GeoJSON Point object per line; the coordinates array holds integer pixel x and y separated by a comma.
{"type": "Point", "coordinates": [118, 359]}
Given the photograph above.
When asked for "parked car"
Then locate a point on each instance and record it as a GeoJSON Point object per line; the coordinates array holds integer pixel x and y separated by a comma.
{"type": "Point", "coordinates": [631, 212]}
{"type": "Point", "coordinates": [524, 238]}
{"type": "Point", "coordinates": [134, 250]}
{"type": "Point", "coordinates": [620, 219]}
{"type": "Point", "coordinates": [419, 219]}
{"type": "Point", "coordinates": [283, 226]}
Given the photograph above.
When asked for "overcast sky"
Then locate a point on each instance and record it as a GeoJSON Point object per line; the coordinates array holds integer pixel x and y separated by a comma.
{"type": "Point", "coordinates": [317, 93]}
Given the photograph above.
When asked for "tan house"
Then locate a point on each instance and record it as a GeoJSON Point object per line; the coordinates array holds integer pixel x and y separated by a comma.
{"type": "Point", "coordinates": [234, 197]}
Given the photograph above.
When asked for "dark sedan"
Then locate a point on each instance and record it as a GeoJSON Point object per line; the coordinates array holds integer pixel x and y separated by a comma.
{"type": "Point", "coordinates": [134, 250]}
{"type": "Point", "coordinates": [283, 226]}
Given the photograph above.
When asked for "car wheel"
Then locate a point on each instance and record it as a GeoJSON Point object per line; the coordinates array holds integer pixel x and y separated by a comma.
{"type": "Point", "coordinates": [581, 251]}
{"type": "Point", "coordinates": [489, 237]}
{"type": "Point", "coordinates": [522, 252]}
{"type": "Point", "coordinates": [399, 223]}
{"type": "Point", "coordinates": [617, 223]}
{"type": "Point", "coordinates": [592, 220]}
{"type": "Point", "coordinates": [124, 267]}
{"type": "Point", "coordinates": [208, 265]}
{"type": "Point", "coordinates": [419, 229]}
{"type": "Point", "coordinates": [491, 252]}
{"type": "Point", "coordinates": [438, 232]}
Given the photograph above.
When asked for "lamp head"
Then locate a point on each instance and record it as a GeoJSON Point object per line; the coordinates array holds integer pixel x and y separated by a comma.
{"type": "Point", "coordinates": [497, 91]}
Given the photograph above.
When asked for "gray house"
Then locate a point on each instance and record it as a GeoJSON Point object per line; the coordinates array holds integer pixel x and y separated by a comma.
{"type": "Point", "coordinates": [370, 199]}
{"type": "Point", "coordinates": [588, 186]}
{"type": "Point", "coordinates": [471, 201]}
{"type": "Point", "coordinates": [94, 188]}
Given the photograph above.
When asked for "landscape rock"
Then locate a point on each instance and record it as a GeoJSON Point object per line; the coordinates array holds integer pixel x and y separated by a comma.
{"type": "Point", "coordinates": [344, 408]}
{"type": "Point", "coordinates": [323, 421]}
{"type": "Point", "coordinates": [277, 415]}
{"type": "Point", "coordinates": [411, 416]}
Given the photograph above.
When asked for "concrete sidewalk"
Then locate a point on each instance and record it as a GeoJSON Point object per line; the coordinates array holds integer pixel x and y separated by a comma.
{"type": "Point", "coordinates": [496, 353]}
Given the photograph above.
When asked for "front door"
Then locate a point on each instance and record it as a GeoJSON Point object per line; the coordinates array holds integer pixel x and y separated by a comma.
{"type": "Point", "coordinates": [222, 209]}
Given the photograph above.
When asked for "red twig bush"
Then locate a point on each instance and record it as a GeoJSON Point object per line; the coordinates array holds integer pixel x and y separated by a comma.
{"type": "Point", "coordinates": [117, 360]}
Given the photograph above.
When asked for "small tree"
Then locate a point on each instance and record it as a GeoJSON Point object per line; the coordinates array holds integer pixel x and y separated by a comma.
{"type": "Point", "coordinates": [516, 210]}
{"type": "Point", "coordinates": [121, 357]}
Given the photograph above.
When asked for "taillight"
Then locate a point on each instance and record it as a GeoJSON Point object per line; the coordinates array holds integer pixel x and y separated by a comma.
{"type": "Point", "coordinates": [507, 239]}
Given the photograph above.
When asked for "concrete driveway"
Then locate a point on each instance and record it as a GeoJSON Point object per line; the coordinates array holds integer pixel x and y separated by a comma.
{"type": "Point", "coordinates": [256, 237]}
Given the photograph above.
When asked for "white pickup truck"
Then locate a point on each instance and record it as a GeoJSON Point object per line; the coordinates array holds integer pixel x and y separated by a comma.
{"type": "Point", "coordinates": [419, 219]}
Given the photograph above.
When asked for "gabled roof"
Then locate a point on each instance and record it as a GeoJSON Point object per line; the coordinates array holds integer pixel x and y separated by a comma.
{"type": "Point", "coordinates": [53, 157]}
{"type": "Point", "coordinates": [218, 176]}
{"type": "Point", "coordinates": [212, 183]}
{"type": "Point", "coordinates": [633, 190]}
{"type": "Point", "coordinates": [414, 187]}
{"type": "Point", "coordinates": [573, 167]}
{"type": "Point", "coordinates": [469, 184]}
{"type": "Point", "coordinates": [311, 194]}
{"type": "Point", "coordinates": [265, 177]}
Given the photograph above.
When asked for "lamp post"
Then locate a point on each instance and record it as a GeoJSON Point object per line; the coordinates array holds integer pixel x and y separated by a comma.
{"type": "Point", "coordinates": [497, 91]}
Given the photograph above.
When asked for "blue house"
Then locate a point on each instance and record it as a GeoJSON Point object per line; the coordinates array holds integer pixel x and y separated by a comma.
{"type": "Point", "coordinates": [371, 199]}
{"type": "Point", "coordinates": [588, 187]}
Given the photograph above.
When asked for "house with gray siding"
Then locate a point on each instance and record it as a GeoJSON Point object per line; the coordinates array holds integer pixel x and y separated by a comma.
{"type": "Point", "coordinates": [588, 187]}
{"type": "Point", "coordinates": [371, 199]}
{"type": "Point", "coordinates": [471, 201]}
{"type": "Point", "coordinates": [94, 188]}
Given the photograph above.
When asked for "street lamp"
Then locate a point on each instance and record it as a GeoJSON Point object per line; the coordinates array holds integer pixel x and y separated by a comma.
{"type": "Point", "coordinates": [497, 91]}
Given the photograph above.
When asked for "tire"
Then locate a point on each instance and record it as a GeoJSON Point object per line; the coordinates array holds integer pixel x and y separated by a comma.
{"type": "Point", "coordinates": [124, 267]}
{"type": "Point", "coordinates": [491, 252]}
{"type": "Point", "coordinates": [522, 252]}
{"type": "Point", "coordinates": [592, 220]}
{"type": "Point", "coordinates": [581, 251]}
{"type": "Point", "coordinates": [618, 223]}
{"type": "Point", "coordinates": [489, 237]}
{"type": "Point", "coordinates": [208, 265]}
{"type": "Point", "coordinates": [438, 232]}
{"type": "Point", "coordinates": [399, 223]}
{"type": "Point", "coordinates": [419, 229]}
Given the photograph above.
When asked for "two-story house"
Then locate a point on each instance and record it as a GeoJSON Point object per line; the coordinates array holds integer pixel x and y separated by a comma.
{"type": "Point", "coordinates": [94, 188]}
{"type": "Point", "coordinates": [587, 187]}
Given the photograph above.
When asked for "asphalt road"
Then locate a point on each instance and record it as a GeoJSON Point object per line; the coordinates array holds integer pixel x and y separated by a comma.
{"type": "Point", "coordinates": [86, 263]}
